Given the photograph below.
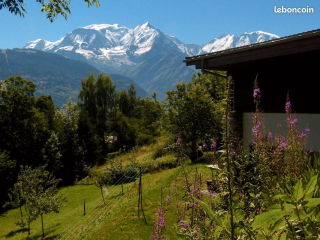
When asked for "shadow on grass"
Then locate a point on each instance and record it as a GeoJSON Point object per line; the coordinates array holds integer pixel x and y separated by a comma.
{"type": "Point", "coordinates": [39, 235]}
{"type": "Point", "coordinates": [46, 233]}
{"type": "Point", "coordinates": [131, 177]}
{"type": "Point", "coordinates": [36, 236]}
{"type": "Point", "coordinates": [14, 232]}
{"type": "Point", "coordinates": [201, 160]}
{"type": "Point", "coordinates": [115, 196]}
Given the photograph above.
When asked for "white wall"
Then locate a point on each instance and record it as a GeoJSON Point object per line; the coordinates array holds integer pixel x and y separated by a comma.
{"type": "Point", "coordinates": [271, 121]}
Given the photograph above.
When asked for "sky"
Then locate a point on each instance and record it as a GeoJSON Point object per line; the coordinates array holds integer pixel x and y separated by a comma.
{"type": "Point", "coordinates": [191, 21]}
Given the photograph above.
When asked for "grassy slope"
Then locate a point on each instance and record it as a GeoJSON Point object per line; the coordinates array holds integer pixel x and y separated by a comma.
{"type": "Point", "coordinates": [122, 222]}
{"type": "Point", "coordinates": [54, 223]}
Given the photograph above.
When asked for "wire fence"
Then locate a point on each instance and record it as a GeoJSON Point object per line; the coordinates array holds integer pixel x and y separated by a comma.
{"type": "Point", "coordinates": [106, 211]}
{"type": "Point", "coordinates": [83, 226]}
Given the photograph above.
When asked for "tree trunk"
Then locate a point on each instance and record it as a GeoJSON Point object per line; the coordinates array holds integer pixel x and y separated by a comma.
{"type": "Point", "coordinates": [29, 226]}
{"type": "Point", "coordinates": [194, 151]}
{"type": "Point", "coordinates": [42, 226]}
{"type": "Point", "coordinates": [102, 196]}
{"type": "Point", "coordinates": [22, 224]}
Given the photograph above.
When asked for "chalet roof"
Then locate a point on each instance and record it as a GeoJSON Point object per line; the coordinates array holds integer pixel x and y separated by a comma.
{"type": "Point", "coordinates": [297, 43]}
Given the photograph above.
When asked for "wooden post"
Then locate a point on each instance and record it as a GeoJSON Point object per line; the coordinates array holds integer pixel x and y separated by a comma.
{"type": "Point", "coordinates": [141, 198]}
{"type": "Point", "coordinates": [139, 193]}
{"type": "Point", "coordinates": [84, 207]}
{"type": "Point", "coordinates": [42, 226]}
{"type": "Point", "coordinates": [161, 198]}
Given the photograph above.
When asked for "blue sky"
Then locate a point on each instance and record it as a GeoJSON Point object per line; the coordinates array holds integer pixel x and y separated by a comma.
{"type": "Point", "coordinates": [192, 21]}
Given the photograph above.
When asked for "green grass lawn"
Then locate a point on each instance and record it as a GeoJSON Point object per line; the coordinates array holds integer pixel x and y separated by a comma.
{"type": "Point", "coordinates": [124, 223]}
{"type": "Point", "coordinates": [54, 223]}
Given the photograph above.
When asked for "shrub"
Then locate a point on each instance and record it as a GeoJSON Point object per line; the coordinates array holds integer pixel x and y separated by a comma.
{"type": "Point", "coordinates": [112, 155]}
{"type": "Point", "coordinates": [165, 162]}
{"type": "Point", "coordinates": [158, 152]}
{"type": "Point", "coordinates": [144, 139]}
{"type": "Point", "coordinates": [118, 170]}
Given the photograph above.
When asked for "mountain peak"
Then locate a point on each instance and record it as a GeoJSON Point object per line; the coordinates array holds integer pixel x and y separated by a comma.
{"type": "Point", "coordinates": [259, 33]}
{"type": "Point", "coordinates": [146, 25]}
{"type": "Point", "coordinates": [99, 27]}
{"type": "Point", "coordinates": [117, 47]}
{"type": "Point", "coordinates": [38, 44]}
{"type": "Point", "coordinates": [151, 57]}
{"type": "Point", "coordinates": [232, 41]}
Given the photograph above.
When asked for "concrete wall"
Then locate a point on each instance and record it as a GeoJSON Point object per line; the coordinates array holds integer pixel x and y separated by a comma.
{"type": "Point", "coordinates": [271, 121]}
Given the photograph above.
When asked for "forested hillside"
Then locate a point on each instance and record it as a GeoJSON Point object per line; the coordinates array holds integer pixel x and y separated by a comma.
{"type": "Point", "coordinates": [54, 75]}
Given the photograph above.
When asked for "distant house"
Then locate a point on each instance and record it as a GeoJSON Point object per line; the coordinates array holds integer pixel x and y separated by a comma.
{"type": "Point", "coordinates": [285, 64]}
{"type": "Point", "coordinates": [111, 139]}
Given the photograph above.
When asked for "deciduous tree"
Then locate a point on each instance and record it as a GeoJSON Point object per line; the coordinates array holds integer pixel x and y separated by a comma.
{"type": "Point", "coordinates": [52, 8]}
{"type": "Point", "coordinates": [192, 113]}
{"type": "Point", "coordinates": [37, 189]}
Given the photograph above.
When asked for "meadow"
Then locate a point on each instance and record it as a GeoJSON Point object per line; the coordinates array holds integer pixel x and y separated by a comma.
{"type": "Point", "coordinates": [122, 222]}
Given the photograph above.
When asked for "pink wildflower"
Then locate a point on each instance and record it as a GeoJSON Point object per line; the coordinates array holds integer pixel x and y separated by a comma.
{"type": "Point", "coordinates": [288, 107]}
{"type": "Point", "coordinates": [204, 146]}
{"type": "Point", "coordinates": [256, 95]}
{"type": "Point", "coordinates": [179, 142]}
{"type": "Point", "coordinates": [213, 145]}
{"type": "Point", "coordinates": [294, 122]}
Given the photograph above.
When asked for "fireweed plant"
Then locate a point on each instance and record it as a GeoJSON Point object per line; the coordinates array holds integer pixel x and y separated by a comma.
{"type": "Point", "coordinates": [197, 222]}
{"type": "Point", "coordinates": [212, 152]}
{"type": "Point", "coordinates": [227, 127]}
{"type": "Point", "coordinates": [284, 157]}
{"type": "Point", "coordinates": [270, 192]}
{"type": "Point", "coordinates": [294, 145]}
{"type": "Point", "coordinates": [159, 226]}
{"type": "Point", "coordinates": [192, 221]}
{"type": "Point", "coordinates": [261, 145]}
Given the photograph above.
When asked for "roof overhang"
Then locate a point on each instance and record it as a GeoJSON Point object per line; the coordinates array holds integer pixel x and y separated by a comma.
{"type": "Point", "coordinates": [286, 46]}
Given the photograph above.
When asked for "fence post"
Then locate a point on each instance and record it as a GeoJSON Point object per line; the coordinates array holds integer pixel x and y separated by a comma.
{"type": "Point", "coordinates": [161, 198]}
{"type": "Point", "coordinates": [84, 207]}
{"type": "Point", "coordinates": [139, 193]}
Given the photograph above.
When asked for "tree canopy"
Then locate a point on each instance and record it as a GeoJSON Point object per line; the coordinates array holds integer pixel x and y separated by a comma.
{"type": "Point", "coordinates": [52, 8]}
{"type": "Point", "coordinates": [36, 189]}
{"type": "Point", "coordinates": [194, 111]}
{"type": "Point", "coordinates": [69, 141]}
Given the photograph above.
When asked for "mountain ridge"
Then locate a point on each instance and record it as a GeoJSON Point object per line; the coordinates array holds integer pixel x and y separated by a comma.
{"type": "Point", "coordinates": [113, 48]}
{"type": "Point", "coordinates": [120, 36]}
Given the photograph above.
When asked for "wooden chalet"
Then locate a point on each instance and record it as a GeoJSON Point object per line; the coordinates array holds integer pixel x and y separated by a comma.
{"type": "Point", "coordinates": [284, 64]}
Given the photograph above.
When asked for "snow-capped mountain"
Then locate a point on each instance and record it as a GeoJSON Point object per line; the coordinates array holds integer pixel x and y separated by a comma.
{"type": "Point", "coordinates": [109, 46]}
{"type": "Point", "coordinates": [233, 41]}
{"type": "Point", "coordinates": [138, 53]}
